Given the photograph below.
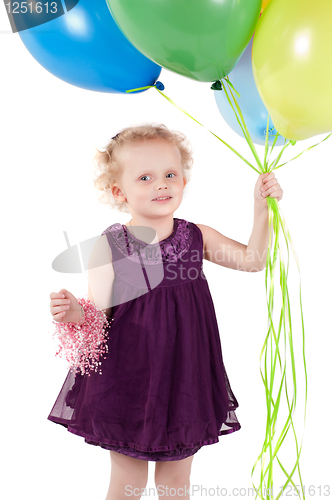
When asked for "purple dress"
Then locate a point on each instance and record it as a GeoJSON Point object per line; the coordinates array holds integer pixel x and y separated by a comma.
{"type": "Point", "coordinates": [164, 391]}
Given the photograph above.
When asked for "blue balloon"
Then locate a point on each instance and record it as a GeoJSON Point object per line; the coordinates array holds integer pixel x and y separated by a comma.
{"type": "Point", "coordinates": [253, 109]}
{"type": "Point", "coordinates": [85, 47]}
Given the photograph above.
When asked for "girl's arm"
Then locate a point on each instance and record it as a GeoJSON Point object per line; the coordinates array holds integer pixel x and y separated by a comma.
{"type": "Point", "coordinates": [101, 275]}
{"type": "Point", "coordinates": [226, 252]}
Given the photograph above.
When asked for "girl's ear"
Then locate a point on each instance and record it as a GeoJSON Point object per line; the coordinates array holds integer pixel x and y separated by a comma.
{"type": "Point", "coordinates": [117, 193]}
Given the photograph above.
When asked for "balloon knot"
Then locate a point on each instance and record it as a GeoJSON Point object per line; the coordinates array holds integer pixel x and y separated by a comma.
{"type": "Point", "coordinates": [271, 130]}
{"type": "Point", "coordinates": [216, 85]}
{"type": "Point", "coordinates": [159, 85]}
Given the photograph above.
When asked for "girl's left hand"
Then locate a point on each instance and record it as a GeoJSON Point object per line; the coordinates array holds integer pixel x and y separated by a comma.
{"type": "Point", "coordinates": [267, 185]}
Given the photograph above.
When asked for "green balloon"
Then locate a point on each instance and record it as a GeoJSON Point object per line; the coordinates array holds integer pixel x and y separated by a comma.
{"type": "Point", "coordinates": [200, 39]}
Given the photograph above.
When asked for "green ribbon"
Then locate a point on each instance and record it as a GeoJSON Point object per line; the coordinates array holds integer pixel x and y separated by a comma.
{"type": "Point", "coordinates": [273, 338]}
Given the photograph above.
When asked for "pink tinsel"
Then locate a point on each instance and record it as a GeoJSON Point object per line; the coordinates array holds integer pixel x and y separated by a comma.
{"type": "Point", "coordinates": [83, 343]}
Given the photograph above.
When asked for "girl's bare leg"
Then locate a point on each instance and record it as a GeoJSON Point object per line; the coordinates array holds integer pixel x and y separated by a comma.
{"type": "Point", "coordinates": [128, 475]}
{"type": "Point", "coordinates": [175, 475]}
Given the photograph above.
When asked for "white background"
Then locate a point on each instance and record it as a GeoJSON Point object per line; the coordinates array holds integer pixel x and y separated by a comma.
{"type": "Point", "coordinates": [49, 129]}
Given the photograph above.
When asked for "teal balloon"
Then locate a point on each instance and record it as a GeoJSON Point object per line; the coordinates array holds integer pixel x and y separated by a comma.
{"type": "Point", "coordinates": [85, 47]}
{"type": "Point", "coordinates": [252, 107]}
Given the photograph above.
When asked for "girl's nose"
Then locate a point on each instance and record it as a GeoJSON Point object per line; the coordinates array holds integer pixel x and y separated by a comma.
{"type": "Point", "coordinates": [161, 185]}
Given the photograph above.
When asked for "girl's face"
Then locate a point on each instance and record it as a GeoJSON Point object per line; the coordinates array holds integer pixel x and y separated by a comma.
{"type": "Point", "coordinates": [150, 169]}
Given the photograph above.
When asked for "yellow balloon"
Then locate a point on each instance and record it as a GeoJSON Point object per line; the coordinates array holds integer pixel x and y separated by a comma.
{"type": "Point", "coordinates": [292, 66]}
{"type": "Point", "coordinates": [264, 4]}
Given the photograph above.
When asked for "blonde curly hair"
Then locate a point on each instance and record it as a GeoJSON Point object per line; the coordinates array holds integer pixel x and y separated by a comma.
{"type": "Point", "coordinates": [108, 163]}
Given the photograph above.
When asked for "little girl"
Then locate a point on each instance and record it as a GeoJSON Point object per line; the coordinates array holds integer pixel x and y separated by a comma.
{"type": "Point", "coordinates": [163, 391]}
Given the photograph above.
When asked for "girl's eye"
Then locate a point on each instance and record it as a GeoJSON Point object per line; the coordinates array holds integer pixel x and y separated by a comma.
{"type": "Point", "coordinates": [148, 175]}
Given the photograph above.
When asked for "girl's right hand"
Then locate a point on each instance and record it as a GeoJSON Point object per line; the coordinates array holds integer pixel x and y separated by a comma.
{"type": "Point", "coordinates": [64, 307]}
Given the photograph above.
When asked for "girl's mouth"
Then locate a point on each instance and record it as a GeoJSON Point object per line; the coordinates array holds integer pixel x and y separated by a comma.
{"type": "Point", "coordinates": [162, 199]}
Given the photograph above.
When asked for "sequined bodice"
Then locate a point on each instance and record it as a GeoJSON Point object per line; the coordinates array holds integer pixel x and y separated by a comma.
{"type": "Point", "coordinates": [168, 250]}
